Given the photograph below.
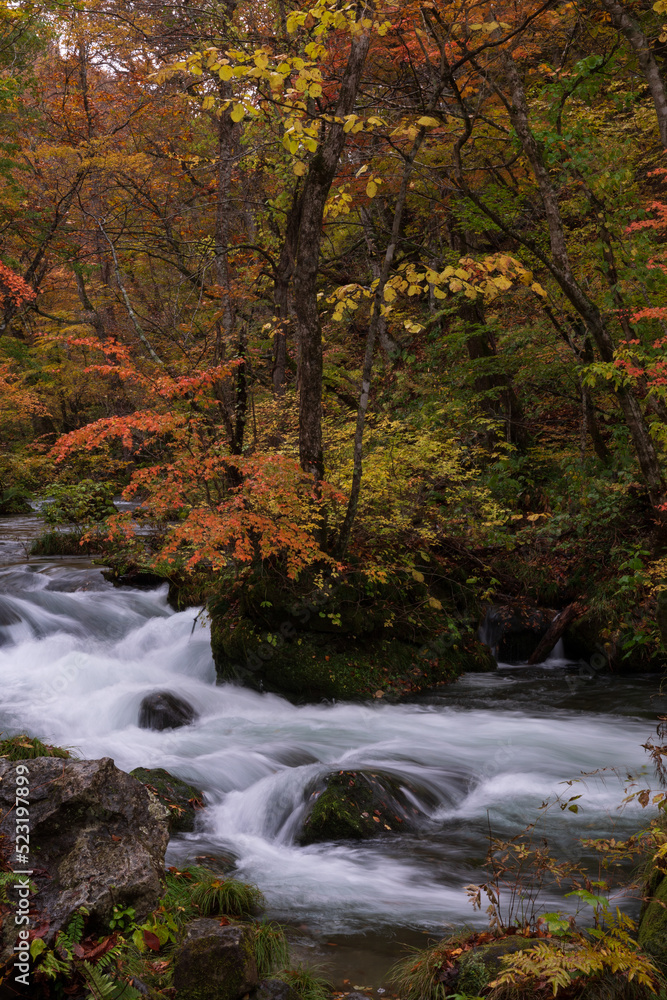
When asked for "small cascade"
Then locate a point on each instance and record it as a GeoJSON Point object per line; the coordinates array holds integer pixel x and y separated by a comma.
{"type": "Point", "coordinates": [78, 657]}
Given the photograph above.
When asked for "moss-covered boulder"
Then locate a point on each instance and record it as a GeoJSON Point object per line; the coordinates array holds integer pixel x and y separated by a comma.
{"type": "Point", "coordinates": [346, 638]}
{"type": "Point", "coordinates": [215, 962]}
{"type": "Point", "coordinates": [312, 665]}
{"type": "Point", "coordinates": [356, 805]}
{"type": "Point", "coordinates": [652, 934]}
{"type": "Point", "coordinates": [181, 799]}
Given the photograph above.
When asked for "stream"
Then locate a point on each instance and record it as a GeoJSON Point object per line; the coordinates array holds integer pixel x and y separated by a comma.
{"type": "Point", "coordinates": [77, 656]}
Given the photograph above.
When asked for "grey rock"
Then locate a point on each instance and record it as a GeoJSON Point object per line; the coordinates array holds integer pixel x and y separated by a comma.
{"type": "Point", "coordinates": [180, 799]}
{"type": "Point", "coordinates": [162, 710]}
{"type": "Point", "coordinates": [97, 839]}
{"type": "Point", "coordinates": [215, 962]}
{"type": "Point", "coordinates": [276, 989]}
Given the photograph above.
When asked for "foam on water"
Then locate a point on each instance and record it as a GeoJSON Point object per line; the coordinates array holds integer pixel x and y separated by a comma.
{"type": "Point", "coordinates": [76, 665]}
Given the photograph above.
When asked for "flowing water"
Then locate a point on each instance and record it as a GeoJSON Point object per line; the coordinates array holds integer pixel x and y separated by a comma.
{"type": "Point", "coordinates": [77, 657]}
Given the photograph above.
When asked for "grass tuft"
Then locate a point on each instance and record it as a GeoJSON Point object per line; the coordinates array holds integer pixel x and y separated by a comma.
{"type": "Point", "coordinates": [28, 747]}
{"type": "Point", "coordinates": [308, 983]}
{"type": "Point", "coordinates": [417, 977]}
{"type": "Point", "coordinates": [271, 948]}
{"type": "Point", "coordinates": [201, 891]}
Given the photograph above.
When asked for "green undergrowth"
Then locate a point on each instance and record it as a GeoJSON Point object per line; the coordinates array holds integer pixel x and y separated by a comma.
{"type": "Point", "coordinates": [137, 958]}
{"type": "Point", "coordinates": [64, 543]}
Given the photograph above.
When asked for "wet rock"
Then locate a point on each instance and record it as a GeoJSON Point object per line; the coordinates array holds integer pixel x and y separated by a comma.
{"type": "Point", "coordinates": [180, 799]}
{"type": "Point", "coordinates": [276, 989]}
{"type": "Point", "coordinates": [97, 839]}
{"type": "Point", "coordinates": [356, 805]}
{"type": "Point", "coordinates": [215, 962]}
{"type": "Point", "coordinates": [162, 710]}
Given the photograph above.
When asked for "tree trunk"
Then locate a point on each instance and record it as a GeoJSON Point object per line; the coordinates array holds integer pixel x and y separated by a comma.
{"type": "Point", "coordinates": [498, 396]}
{"type": "Point", "coordinates": [640, 44]}
{"type": "Point", "coordinates": [562, 271]}
{"type": "Point", "coordinates": [555, 632]}
{"type": "Point", "coordinates": [321, 173]}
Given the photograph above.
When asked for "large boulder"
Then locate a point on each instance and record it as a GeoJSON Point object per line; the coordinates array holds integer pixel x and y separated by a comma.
{"type": "Point", "coordinates": [215, 962]}
{"type": "Point", "coordinates": [163, 710]}
{"type": "Point", "coordinates": [97, 840]}
{"type": "Point", "coordinates": [180, 799]}
{"type": "Point", "coordinates": [356, 805]}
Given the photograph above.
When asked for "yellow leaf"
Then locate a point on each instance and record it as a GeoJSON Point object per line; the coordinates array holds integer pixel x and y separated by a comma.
{"type": "Point", "coordinates": [427, 122]}
{"type": "Point", "coordinates": [460, 273]}
{"type": "Point", "coordinates": [299, 168]}
{"type": "Point", "coordinates": [389, 294]}
{"type": "Point", "coordinates": [537, 288]}
{"type": "Point", "coordinates": [361, 170]}
{"type": "Point", "coordinates": [238, 113]}
{"type": "Point", "coordinates": [371, 189]}
{"type": "Point", "coordinates": [315, 90]}
{"type": "Point", "coordinates": [207, 103]}
{"type": "Point", "coordinates": [439, 294]}
{"type": "Point", "coordinates": [416, 575]}
{"type": "Point", "coordinates": [502, 282]}
{"type": "Point", "coordinates": [225, 72]}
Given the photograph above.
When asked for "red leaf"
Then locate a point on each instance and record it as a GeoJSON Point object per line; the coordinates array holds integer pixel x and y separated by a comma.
{"type": "Point", "coordinates": [151, 941]}
{"type": "Point", "coordinates": [102, 948]}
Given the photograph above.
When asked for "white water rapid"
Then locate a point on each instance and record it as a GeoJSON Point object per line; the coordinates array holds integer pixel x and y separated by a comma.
{"type": "Point", "coordinates": [77, 657]}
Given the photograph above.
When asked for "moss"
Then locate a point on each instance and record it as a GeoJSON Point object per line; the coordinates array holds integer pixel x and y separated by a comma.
{"type": "Point", "coordinates": [652, 935]}
{"type": "Point", "coordinates": [182, 800]}
{"type": "Point", "coordinates": [316, 666]}
{"type": "Point", "coordinates": [356, 805]}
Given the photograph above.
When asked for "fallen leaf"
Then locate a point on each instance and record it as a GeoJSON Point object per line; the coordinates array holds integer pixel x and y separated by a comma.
{"type": "Point", "coordinates": [151, 941]}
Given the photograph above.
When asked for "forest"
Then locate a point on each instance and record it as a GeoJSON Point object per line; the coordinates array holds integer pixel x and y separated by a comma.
{"type": "Point", "coordinates": [359, 312]}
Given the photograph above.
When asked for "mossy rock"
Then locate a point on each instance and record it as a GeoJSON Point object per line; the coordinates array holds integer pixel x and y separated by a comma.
{"type": "Point", "coordinates": [313, 666]}
{"type": "Point", "coordinates": [215, 962]}
{"type": "Point", "coordinates": [492, 954]}
{"type": "Point", "coordinates": [182, 800]}
{"type": "Point", "coordinates": [357, 805]}
{"type": "Point", "coordinates": [354, 606]}
{"type": "Point", "coordinates": [652, 934]}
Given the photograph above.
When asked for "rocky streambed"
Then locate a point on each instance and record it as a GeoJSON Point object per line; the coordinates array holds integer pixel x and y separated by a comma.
{"type": "Point", "coordinates": [78, 658]}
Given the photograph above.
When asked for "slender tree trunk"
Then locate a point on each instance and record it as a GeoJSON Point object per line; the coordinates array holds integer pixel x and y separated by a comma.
{"type": "Point", "coordinates": [321, 173]}
{"type": "Point", "coordinates": [640, 44]}
{"type": "Point", "coordinates": [562, 270]}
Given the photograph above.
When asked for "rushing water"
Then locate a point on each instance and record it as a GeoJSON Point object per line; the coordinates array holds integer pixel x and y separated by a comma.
{"type": "Point", "coordinates": [77, 657]}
